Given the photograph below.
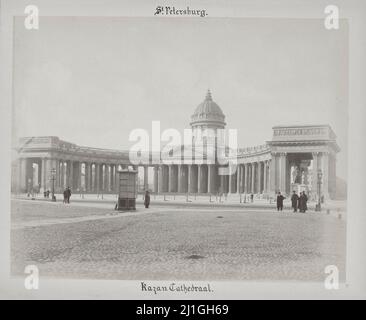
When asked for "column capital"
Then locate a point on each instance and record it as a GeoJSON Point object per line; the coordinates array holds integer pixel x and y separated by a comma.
{"type": "Point", "coordinates": [283, 154]}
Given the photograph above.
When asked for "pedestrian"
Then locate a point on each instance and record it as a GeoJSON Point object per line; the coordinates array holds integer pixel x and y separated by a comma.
{"type": "Point", "coordinates": [251, 197]}
{"type": "Point", "coordinates": [280, 198]}
{"type": "Point", "coordinates": [294, 201]}
{"type": "Point", "coordinates": [65, 196]}
{"type": "Point", "coordinates": [48, 193]}
{"type": "Point", "coordinates": [303, 202]}
{"type": "Point", "coordinates": [147, 199]}
{"type": "Point", "coordinates": [68, 194]}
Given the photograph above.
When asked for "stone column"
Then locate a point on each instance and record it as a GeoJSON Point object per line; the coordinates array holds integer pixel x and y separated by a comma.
{"type": "Point", "coordinates": [82, 187]}
{"type": "Point", "coordinates": [238, 178]}
{"type": "Point", "coordinates": [62, 174]}
{"type": "Point", "coordinates": [230, 177]}
{"type": "Point", "coordinates": [265, 175]}
{"type": "Point", "coordinates": [22, 175]}
{"type": "Point", "coordinates": [56, 165]}
{"type": "Point", "coordinates": [245, 178]}
{"type": "Point", "coordinates": [253, 178]}
{"type": "Point", "coordinates": [268, 175]}
{"type": "Point", "coordinates": [161, 179]}
{"type": "Point", "coordinates": [70, 179]}
{"type": "Point", "coordinates": [78, 176]}
{"type": "Point", "coordinates": [314, 177]}
{"type": "Point", "coordinates": [325, 172]}
{"type": "Point", "coordinates": [165, 169]}
{"type": "Point", "coordinates": [101, 178]}
{"type": "Point", "coordinates": [111, 178]}
{"type": "Point", "coordinates": [242, 178]}
{"type": "Point", "coordinates": [232, 182]}
{"type": "Point", "coordinates": [259, 177]}
{"type": "Point", "coordinates": [222, 184]}
{"type": "Point", "coordinates": [105, 178]}
{"type": "Point", "coordinates": [199, 177]}
{"type": "Point", "coordinates": [48, 169]}
{"type": "Point", "coordinates": [67, 173]}
{"type": "Point", "coordinates": [274, 186]}
{"type": "Point", "coordinates": [116, 179]}
{"type": "Point", "coordinates": [90, 177]}
{"type": "Point", "coordinates": [250, 171]}
{"type": "Point", "coordinates": [171, 178]}
{"type": "Point", "coordinates": [180, 179]}
{"type": "Point", "coordinates": [52, 164]}
{"type": "Point", "coordinates": [43, 175]}
{"type": "Point", "coordinates": [93, 177]}
{"type": "Point", "coordinates": [283, 173]}
{"type": "Point", "coordinates": [87, 177]}
{"type": "Point", "coordinates": [189, 178]}
{"type": "Point", "coordinates": [211, 181]}
{"type": "Point", "coordinates": [97, 177]}
{"type": "Point", "coordinates": [146, 178]}
{"type": "Point", "coordinates": [156, 179]}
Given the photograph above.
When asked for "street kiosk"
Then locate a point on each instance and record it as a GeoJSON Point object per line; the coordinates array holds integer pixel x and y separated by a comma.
{"type": "Point", "coordinates": [127, 190]}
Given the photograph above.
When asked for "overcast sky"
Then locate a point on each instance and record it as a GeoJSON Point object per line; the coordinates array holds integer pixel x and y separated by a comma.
{"type": "Point", "coordinates": [91, 81]}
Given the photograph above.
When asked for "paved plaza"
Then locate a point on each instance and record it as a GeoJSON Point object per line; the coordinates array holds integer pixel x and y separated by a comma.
{"type": "Point", "coordinates": [91, 240]}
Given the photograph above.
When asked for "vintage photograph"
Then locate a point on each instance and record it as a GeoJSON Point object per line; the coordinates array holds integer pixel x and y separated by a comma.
{"type": "Point", "coordinates": [189, 148]}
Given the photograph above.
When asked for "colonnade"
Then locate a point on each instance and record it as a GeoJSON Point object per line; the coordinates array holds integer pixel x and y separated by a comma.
{"type": "Point", "coordinates": [258, 177]}
{"type": "Point", "coordinates": [205, 179]}
{"type": "Point", "coordinates": [80, 176]}
{"type": "Point", "coordinates": [93, 177]}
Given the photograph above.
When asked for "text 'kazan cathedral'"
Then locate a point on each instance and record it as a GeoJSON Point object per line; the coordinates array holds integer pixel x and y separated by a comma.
{"type": "Point", "coordinates": [292, 160]}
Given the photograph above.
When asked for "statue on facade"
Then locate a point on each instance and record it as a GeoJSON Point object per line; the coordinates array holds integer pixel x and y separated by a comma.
{"type": "Point", "coordinates": [294, 174]}
{"type": "Point", "coordinates": [303, 177]}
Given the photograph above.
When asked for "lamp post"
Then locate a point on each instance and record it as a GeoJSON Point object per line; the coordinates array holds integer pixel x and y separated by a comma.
{"type": "Point", "coordinates": [53, 178]}
{"type": "Point", "coordinates": [319, 183]}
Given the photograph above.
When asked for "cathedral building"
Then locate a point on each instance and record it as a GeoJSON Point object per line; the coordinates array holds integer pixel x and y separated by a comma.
{"type": "Point", "coordinates": [293, 159]}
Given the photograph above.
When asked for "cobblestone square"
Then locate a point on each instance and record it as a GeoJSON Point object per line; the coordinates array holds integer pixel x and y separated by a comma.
{"type": "Point", "coordinates": [174, 243]}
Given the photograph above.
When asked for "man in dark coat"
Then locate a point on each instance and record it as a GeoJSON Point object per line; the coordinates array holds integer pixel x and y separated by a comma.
{"type": "Point", "coordinates": [294, 201]}
{"type": "Point", "coordinates": [68, 194]}
{"type": "Point", "coordinates": [280, 198]}
{"type": "Point", "coordinates": [303, 202]}
{"type": "Point", "coordinates": [147, 199]}
{"type": "Point", "coordinates": [65, 196]}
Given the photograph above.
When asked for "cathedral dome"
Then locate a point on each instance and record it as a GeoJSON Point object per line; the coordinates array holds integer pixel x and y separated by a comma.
{"type": "Point", "coordinates": [208, 114]}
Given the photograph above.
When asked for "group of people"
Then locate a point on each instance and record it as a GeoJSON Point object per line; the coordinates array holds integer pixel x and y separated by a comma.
{"type": "Point", "coordinates": [46, 193]}
{"type": "Point", "coordinates": [67, 195]}
{"type": "Point", "coordinates": [297, 202]}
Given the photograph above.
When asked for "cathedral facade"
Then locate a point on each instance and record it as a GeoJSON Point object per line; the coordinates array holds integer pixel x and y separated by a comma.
{"type": "Point", "coordinates": [291, 160]}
